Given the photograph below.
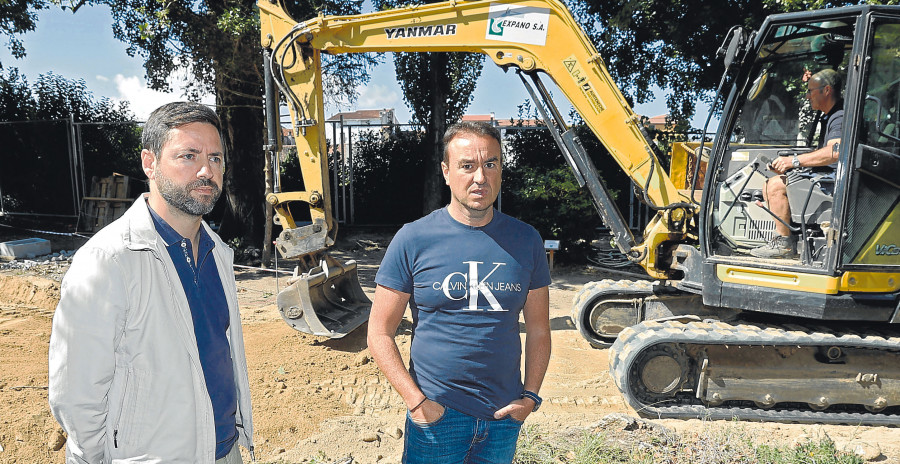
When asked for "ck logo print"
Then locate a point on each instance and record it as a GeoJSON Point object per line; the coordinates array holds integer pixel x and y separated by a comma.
{"type": "Point", "coordinates": [469, 285]}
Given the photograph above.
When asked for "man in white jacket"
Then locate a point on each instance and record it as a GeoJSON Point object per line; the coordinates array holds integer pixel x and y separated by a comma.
{"type": "Point", "coordinates": [146, 354]}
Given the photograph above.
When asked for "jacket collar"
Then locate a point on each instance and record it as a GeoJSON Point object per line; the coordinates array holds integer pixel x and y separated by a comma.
{"type": "Point", "coordinates": [141, 234]}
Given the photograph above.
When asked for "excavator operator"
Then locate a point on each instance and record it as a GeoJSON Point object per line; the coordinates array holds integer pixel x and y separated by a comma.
{"type": "Point", "coordinates": [824, 94]}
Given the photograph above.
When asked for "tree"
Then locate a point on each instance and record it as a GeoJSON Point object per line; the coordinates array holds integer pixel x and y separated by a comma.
{"type": "Point", "coordinates": [438, 88]}
{"type": "Point", "coordinates": [16, 101]}
{"type": "Point", "coordinates": [670, 44]}
{"type": "Point", "coordinates": [386, 155]}
{"type": "Point", "coordinates": [17, 17]}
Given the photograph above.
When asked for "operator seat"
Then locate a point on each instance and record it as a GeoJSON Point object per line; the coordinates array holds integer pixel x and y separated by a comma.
{"type": "Point", "coordinates": [811, 195]}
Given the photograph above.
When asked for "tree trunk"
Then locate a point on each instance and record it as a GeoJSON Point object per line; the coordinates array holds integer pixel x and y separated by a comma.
{"type": "Point", "coordinates": [242, 118]}
{"type": "Point", "coordinates": [434, 179]}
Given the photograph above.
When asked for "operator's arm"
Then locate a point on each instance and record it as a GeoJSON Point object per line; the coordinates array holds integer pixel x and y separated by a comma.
{"type": "Point", "coordinates": [86, 326]}
{"type": "Point", "coordinates": [387, 312]}
{"type": "Point", "coordinates": [537, 350]}
{"type": "Point", "coordinates": [821, 157]}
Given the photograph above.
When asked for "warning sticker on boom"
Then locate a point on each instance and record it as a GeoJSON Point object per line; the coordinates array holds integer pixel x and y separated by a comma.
{"type": "Point", "coordinates": [519, 24]}
{"type": "Point", "coordinates": [581, 78]}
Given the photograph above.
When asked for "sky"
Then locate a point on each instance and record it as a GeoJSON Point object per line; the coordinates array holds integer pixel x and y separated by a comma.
{"type": "Point", "coordinates": [81, 46]}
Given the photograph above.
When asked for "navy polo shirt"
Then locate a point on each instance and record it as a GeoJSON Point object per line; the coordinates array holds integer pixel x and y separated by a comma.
{"type": "Point", "coordinates": [209, 311]}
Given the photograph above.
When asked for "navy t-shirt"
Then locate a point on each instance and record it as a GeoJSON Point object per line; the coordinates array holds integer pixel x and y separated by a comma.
{"type": "Point", "coordinates": [467, 287]}
{"type": "Point", "coordinates": [834, 124]}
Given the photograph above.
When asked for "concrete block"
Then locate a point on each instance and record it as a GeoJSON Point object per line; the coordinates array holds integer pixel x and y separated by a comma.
{"type": "Point", "coordinates": [26, 248]}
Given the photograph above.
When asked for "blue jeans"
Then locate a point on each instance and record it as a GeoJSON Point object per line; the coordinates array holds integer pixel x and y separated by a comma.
{"type": "Point", "coordinates": [457, 438]}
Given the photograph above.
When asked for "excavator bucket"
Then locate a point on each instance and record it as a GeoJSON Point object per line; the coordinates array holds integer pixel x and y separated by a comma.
{"type": "Point", "coordinates": [327, 300]}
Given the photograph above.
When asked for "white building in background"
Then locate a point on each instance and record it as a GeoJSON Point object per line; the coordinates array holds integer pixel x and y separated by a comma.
{"type": "Point", "coordinates": [381, 117]}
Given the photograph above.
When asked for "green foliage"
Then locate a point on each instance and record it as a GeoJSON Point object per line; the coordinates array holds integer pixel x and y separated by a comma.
{"type": "Point", "coordinates": [553, 203]}
{"type": "Point", "coordinates": [16, 101]}
{"type": "Point", "coordinates": [819, 452]}
{"type": "Point", "coordinates": [664, 43]}
{"type": "Point", "coordinates": [388, 176]}
{"type": "Point", "coordinates": [596, 449]}
{"type": "Point", "coordinates": [17, 17]}
{"type": "Point", "coordinates": [236, 24]}
{"type": "Point", "coordinates": [532, 447]}
{"type": "Point", "coordinates": [58, 97]}
{"type": "Point", "coordinates": [540, 188]}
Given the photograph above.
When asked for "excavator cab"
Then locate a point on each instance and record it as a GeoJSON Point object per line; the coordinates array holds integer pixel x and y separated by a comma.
{"type": "Point", "coordinates": [773, 118]}
{"type": "Point", "coordinates": [843, 217]}
{"type": "Point", "coordinates": [770, 115]}
{"type": "Point", "coordinates": [812, 338]}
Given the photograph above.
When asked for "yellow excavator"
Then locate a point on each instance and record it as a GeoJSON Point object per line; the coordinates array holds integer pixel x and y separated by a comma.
{"type": "Point", "coordinates": [718, 333]}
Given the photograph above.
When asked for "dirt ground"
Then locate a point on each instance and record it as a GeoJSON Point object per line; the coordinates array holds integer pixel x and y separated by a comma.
{"type": "Point", "coordinates": [315, 398]}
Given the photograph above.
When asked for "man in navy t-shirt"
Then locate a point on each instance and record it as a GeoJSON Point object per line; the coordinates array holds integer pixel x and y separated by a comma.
{"type": "Point", "coordinates": [824, 94]}
{"type": "Point", "coordinates": [466, 271]}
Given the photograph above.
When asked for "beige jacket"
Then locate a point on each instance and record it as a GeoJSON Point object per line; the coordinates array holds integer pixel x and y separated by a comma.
{"type": "Point", "coordinates": [125, 377]}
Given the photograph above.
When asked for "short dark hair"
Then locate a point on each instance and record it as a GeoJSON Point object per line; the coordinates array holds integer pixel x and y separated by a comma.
{"type": "Point", "coordinates": [469, 127]}
{"type": "Point", "coordinates": [173, 115]}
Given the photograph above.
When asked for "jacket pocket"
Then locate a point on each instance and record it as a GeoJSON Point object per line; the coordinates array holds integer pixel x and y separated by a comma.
{"type": "Point", "coordinates": [132, 405]}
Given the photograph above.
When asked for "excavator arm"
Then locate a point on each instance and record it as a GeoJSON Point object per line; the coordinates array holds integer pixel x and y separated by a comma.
{"type": "Point", "coordinates": [532, 37]}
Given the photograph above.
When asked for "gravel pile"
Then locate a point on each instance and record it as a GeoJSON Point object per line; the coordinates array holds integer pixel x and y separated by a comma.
{"type": "Point", "coordinates": [61, 257]}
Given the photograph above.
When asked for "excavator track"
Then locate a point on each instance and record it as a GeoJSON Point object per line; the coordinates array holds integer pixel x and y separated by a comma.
{"type": "Point", "coordinates": [603, 308]}
{"type": "Point", "coordinates": [759, 372]}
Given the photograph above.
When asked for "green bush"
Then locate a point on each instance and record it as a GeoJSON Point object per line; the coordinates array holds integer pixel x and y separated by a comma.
{"type": "Point", "coordinates": [388, 176]}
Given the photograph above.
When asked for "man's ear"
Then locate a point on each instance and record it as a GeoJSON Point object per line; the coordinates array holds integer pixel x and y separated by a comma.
{"type": "Point", "coordinates": [445, 170]}
{"type": "Point", "coordinates": [148, 163]}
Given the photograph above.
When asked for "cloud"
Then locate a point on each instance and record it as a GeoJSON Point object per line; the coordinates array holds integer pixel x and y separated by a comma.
{"type": "Point", "coordinates": [142, 100]}
{"type": "Point", "coordinates": [377, 96]}
{"type": "Point", "coordinates": [101, 78]}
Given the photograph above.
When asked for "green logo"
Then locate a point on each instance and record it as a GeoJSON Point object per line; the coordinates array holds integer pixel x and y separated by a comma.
{"type": "Point", "coordinates": [496, 27]}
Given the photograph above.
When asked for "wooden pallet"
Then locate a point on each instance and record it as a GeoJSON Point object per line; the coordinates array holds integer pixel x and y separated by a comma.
{"type": "Point", "coordinates": [110, 197]}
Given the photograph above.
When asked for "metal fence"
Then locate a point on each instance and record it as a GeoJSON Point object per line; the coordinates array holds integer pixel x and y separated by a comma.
{"type": "Point", "coordinates": [46, 166]}
{"type": "Point", "coordinates": [343, 156]}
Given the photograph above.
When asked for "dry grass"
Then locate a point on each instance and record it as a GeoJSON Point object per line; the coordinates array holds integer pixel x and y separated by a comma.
{"type": "Point", "coordinates": [623, 440]}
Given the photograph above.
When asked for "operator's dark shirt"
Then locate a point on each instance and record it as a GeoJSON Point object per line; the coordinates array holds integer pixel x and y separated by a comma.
{"type": "Point", "coordinates": [209, 311]}
{"type": "Point", "coordinates": [834, 124]}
